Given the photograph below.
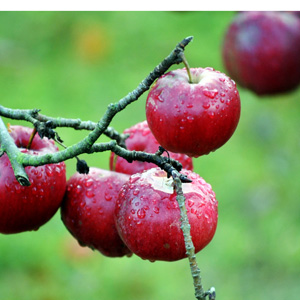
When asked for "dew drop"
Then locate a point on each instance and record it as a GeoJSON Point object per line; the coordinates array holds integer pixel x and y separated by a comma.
{"type": "Point", "coordinates": [194, 211]}
{"type": "Point", "coordinates": [210, 93]}
{"type": "Point", "coordinates": [136, 192]}
{"type": "Point", "coordinates": [190, 119]}
{"type": "Point", "coordinates": [89, 182]}
{"type": "Point", "coordinates": [58, 170]}
{"type": "Point", "coordinates": [206, 105]}
{"type": "Point", "coordinates": [7, 184]}
{"type": "Point", "coordinates": [211, 114]}
{"type": "Point", "coordinates": [156, 209]}
{"type": "Point", "coordinates": [141, 213]}
{"type": "Point", "coordinates": [199, 216]}
{"type": "Point", "coordinates": [108, 197]}
{"type": "Point", "coordinates": [82, 204]}
{"type": "Point", "coordinates": [190, 203]}
{"type": "Point", "coordinates": [34, 171]}
{"type": "Point", "coordinates": [132, 211]}
{"type": "Point", "coordinates": [34, 190]}
{"type": "Point", "coordinates": [89, 194]}
{"type": "Point", "coordinates": [41, 192]}
{"type": "Point", "coordinates": [18, 188]}
{"type": "Point", "coordinates": [189, 105]}
{"type": "Point", "coordinates": [78, 189]}
{"type": "Point", "coordinates": [222, 79]}
{"type": "Point", "coordinates": [49, 171]}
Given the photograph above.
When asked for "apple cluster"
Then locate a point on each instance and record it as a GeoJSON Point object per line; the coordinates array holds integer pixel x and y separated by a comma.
{"type": "Point", "coordinates": [132, 208]}
{"type": "Point", "coordinates": [261, 51]}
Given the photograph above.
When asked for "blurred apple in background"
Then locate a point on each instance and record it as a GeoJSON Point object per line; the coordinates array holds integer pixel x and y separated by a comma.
{"type": "Point", "coordinates": [261, 51]}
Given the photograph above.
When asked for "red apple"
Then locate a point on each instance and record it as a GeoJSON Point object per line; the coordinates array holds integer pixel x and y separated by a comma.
{"type": "Point", "coordinates": [24, 208]}
{"type": "Point", "coordinates": [261, 51]}
{"type": "Point", "coordinates": [142, 139]}
{"type": "Point", "coordinates": [195, 117]}
{"type": "Point", "coordinates": [148, 216]}
{"type": "Point", "coordinates": [88, 210]}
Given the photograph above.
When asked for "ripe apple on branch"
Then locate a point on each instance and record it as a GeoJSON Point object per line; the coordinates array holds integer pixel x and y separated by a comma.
{"type": "Point", "coordinates": [198, 110]}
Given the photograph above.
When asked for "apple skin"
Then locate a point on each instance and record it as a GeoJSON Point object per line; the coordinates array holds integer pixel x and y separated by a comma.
{"type": "Point", "coordinates": [261, 51]}
{"type": "Point", "coordinates": [193, 118]}
{"type": "Point", "coordinates": [88, 210]}
{"type": "Point", "coordinates": [25, 208]}
{"type": "Point", "coordinates": [142, 139]}
{"type": "Point", "coordinates": [148, 216]}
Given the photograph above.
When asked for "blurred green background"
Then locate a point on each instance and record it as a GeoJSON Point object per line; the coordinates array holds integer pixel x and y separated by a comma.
{"type": "Point", "coordinates": [73, 64]}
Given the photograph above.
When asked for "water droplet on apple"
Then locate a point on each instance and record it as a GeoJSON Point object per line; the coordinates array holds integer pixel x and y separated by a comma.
{"type": "Point", "coordinates": [34, 171]}
{"type": "Point", "coordinates": [156, 209]}
{"type": "Point", "coordinates": [141, 213]}
{"type": "Point", "coordinates": [89, 182]}
{"type": "Point", "coordinates": [190, 119]}
{"type": "Point", "coordinates": [78, 189]}
{"type": "Point", "coordinates": [89, 194]}
{"type": "Point", "coordinates": [82, 204]}
{"type": "Point", "coordinates": [34, 190]}
{"type": "Point", "coordinates": [191, 203]}
{"type": "Point", "coordinates": [18, 188]}
{"type": "Point", "coordinates": [199, 215]}
{"type": "Point", "coordinates": [8, 185]}
{"type": "Point", "coordinates": [41, 192]}
{"type": "Point", "coordinates": [222, 79]}
{"type": "Point", "coordinates": [210, 93]}
{"type": "Point", "coordinates": [206, 105]}
{"type": "Point", "coordinates": [132, 211]}
{"type": "Point", "coordinates": [108, 197]}
{"type": "Point", "coordinates": [49, 171]}
{"type": "Point", "coordinates": [227, 102]}
{"type": "Point", "coordinates": [211, 114]}
{"type": "Point", "coordinates": [58, 170]}
{"type": "Point", "coordinates": [194, 211]}
{"type": "Point", "coordinates": [136, 192]}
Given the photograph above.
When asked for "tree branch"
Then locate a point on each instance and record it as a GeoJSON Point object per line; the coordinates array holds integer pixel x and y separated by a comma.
{"type": "Point", "coordinates": [189, 246]}
{"type": "Point", "coordinates": [97, 129]}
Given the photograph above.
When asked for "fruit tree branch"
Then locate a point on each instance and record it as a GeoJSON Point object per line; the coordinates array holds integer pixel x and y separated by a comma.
{"type": "Point", "coordinates": [7, 145]}
{"type": "Point", "coordinates": [97, 129]}
{"type": "Point", "coordinates": [190, 249]}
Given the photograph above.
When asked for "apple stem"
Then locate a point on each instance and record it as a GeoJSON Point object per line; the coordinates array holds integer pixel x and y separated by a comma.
{"type": "Point", "coordinates": [31, 138]}
{"type": "Point", "coordinates": [188, 69]}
